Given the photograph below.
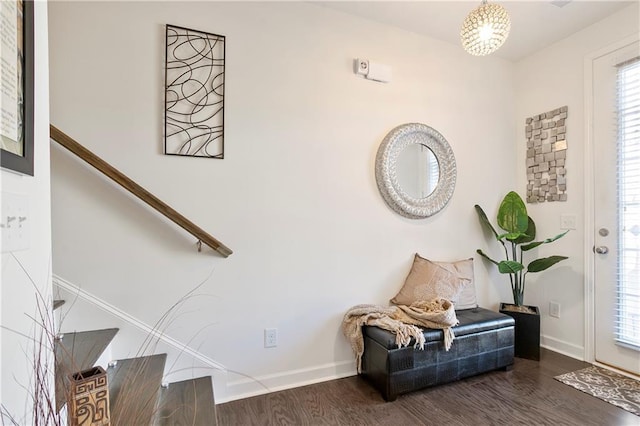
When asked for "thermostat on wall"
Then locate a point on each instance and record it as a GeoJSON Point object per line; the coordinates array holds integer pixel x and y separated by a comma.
{"type": "Point", "coordinates": [372, 70]}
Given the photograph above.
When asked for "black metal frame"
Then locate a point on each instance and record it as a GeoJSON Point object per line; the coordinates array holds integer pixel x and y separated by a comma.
{"type": "Point", "coordinates": [195, 145]}
{"type": "Point", "coordinates": [8, 160]}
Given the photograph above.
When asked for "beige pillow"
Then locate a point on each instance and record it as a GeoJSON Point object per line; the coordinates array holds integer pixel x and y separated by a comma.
{"type": "Point", "coordinates": [428, 280]}
{"type": "Point", "coordinates": [464, 270]}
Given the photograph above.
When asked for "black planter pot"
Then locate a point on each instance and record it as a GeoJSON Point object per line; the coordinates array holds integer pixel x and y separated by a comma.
{"type": "Point", "coordinates": [527, 331]}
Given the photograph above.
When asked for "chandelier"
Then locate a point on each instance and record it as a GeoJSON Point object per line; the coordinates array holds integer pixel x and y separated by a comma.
{"type": "Point", "coordinates": [485, 29]}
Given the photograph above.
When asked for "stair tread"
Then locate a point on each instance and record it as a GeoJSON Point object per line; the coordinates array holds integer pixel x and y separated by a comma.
{"type": "Point", "coordinates": [77, 352]}
{"type": "Point", "coordinates": [57, 304]}
{"type": "Point", "coordinates": [189, 402]}
{"type": "Point", "coordinates": [134, 385]}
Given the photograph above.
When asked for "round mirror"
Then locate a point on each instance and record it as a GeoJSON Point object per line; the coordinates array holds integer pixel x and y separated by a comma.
{"type": "Point", "coordinates": [418, 170]}
{"type": "Point", "coordinates": [415, 170]}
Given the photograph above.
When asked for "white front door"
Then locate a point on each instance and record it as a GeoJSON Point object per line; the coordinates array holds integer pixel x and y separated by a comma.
{"type": "Point", "coordinates": [616, 144]}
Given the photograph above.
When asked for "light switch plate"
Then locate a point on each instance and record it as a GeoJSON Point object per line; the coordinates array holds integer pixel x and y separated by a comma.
{"type": "Point", "coordinates": [14, 222]}
{"type": "Point", "coordinates": [568, 221]}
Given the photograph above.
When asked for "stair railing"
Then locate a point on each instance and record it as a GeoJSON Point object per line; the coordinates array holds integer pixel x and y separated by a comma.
{"type": "Point", "coordinates": [144, 195]}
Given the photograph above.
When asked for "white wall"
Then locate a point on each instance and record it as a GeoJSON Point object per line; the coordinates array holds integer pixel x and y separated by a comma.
{"type": "Point", "coordinates": [18, 300]}
{"type": "Point", "coordinates": [546, 80]}
{"type": "Point", "coordinates": [295, 196]}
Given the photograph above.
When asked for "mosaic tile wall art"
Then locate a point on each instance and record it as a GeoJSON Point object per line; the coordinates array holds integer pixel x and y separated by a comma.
{"type": "Point", "coordinates": [546, 156]}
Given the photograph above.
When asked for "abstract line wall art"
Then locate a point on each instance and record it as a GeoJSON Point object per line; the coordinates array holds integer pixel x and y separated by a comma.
{"type": "Point", "coordinates": [194, 93]}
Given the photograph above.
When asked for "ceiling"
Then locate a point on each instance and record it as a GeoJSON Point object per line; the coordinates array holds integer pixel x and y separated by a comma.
{"type": "Point", "coordinates": [534, 24]}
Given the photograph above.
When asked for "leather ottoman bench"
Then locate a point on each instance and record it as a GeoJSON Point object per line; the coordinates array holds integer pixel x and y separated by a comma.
{"type": "Point", "coordinates": [484, 342]}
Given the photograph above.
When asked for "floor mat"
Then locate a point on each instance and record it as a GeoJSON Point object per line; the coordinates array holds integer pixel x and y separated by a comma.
{"type": "Point", "coordinates": [606, 385]}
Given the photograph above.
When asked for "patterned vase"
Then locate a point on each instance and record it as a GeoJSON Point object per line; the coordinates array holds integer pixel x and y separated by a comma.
{"type": "Point", "coordinates": [89, 398]}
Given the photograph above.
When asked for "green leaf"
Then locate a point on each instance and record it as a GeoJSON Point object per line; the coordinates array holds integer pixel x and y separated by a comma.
{"type": "Point", "coordinates": [486, 257]}
{"type": "Point", "coordinates": [547, 241]}
{"type": "Point", "coordinates": [510, 267]}
{"type": "Point", "coordinates": [532, 245]}
{"type": "Point", "coordinates": [485, 221]}
{"type": "Point", "coordinates": [539, 265]}
{"type": "Point", "coordinates": [529, 235]}
{"type": "Point", "coordinates": [512, 215]}
{"type": "Point", "coordinates": [512, 236]}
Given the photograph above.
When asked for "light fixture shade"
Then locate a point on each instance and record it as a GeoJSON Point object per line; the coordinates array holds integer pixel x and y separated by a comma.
{"type": "Point", "coordinates": [485, 29]}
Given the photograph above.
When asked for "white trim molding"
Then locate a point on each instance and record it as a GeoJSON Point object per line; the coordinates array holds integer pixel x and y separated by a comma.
{"type": "Point", "coordinates": [129, 319]}
{"type": "Point", "coordinates": [248, 387]}
{"type": "Point", "coordinates": [244, 387]}
{"type": "Point", "coordinates": [562, 347]}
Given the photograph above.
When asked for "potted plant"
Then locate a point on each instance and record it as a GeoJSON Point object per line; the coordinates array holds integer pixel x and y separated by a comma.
{"type": "Point", "coordinates": [519, 237]}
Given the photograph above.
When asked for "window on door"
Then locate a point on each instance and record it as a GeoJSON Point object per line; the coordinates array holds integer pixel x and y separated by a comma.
{"type": "Point", "coordinates": [628, 286]}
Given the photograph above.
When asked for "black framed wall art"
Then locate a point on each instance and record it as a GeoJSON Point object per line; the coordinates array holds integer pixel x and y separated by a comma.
{"type": "Point", "coordinates": [16, 86]}
{"type": "Point", "coordinates": [194, 93]}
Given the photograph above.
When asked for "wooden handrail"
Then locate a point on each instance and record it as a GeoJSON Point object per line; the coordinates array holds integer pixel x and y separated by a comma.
{"type": "Point", "coordinates": [128, 184]}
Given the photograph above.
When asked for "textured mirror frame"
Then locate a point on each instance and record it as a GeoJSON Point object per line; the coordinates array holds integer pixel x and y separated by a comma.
{"type": "Point", "coordinates": [386, 173]}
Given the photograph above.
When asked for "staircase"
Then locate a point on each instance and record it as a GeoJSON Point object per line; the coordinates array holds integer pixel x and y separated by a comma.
{"type": "Point", "coordinates": [136, 393]}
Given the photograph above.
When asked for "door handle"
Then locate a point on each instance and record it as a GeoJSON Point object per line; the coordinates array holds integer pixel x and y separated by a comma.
{"type": "Point", "coordinates": [601, 249]}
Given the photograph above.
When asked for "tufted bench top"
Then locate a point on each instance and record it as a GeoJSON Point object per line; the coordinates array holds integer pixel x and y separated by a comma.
{"type": "Point", "coordinates": [474, 320]}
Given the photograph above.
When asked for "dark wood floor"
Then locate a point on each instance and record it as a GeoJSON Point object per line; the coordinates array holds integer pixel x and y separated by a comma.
{"type": "Point", "coordinates": [527, 395]}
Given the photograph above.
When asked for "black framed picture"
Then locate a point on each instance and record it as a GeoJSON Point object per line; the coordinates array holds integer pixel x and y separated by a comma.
{"type": "Point", "coordinates": [17, 66]}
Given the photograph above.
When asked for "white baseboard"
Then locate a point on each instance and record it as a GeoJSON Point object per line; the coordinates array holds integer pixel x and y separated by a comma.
{"type": "Point", "coordinates": [562, 347]}
{"type": "Point", "coordinates": [251, 386]}
{"type": "Point", "coordinates": [125, 317]}
{"type": "Point", "coordinates": [231, 390]}
{"type": "Point", "coordinates": [248, 387]}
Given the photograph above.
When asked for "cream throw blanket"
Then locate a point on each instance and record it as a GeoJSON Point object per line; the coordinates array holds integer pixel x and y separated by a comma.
{"type": "Point", "coordinates": [400, 320]}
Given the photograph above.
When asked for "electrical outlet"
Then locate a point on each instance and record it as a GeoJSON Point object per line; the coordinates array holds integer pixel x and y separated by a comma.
{"type": "Point", "coordinates": [270, 337]}
{"type": "Point", "coordinates": [554, 309]}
